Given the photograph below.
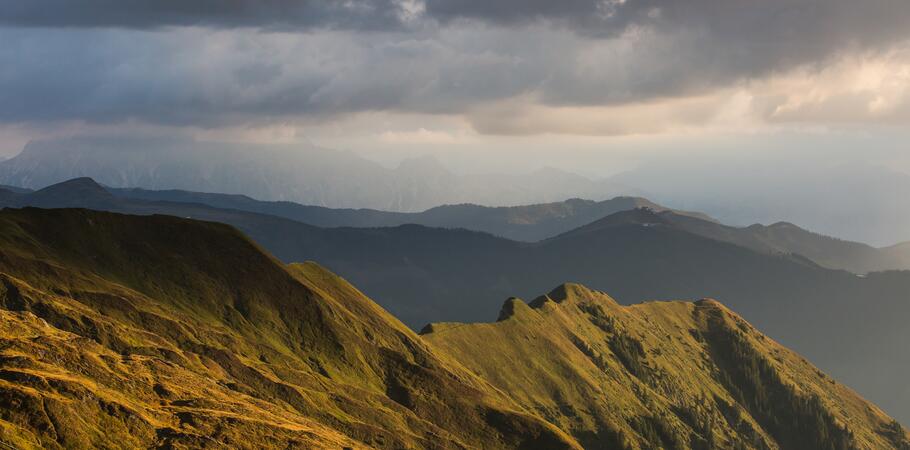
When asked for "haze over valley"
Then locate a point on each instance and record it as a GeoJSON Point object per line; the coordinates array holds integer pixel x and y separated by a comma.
{"type": "Point", "coordinates": [841, 197]}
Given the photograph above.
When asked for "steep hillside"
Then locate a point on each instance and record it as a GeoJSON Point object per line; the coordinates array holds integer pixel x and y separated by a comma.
{"type": "Point", "coordinates": [162, 332]}
{"type": "Point", "coordinates": [851, 326]}
{"type": "Point", "coordinates": [673, 375]}
{"type": "Point", "coordinates": [124, 331]}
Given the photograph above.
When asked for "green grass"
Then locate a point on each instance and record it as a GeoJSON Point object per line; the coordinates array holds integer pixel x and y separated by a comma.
{"type": "Point", "coordinates": [158, 331]}
{"type": "Point", "coordinates": [162, 332]}
{"type": "Point", "coordinates": [661, 375]}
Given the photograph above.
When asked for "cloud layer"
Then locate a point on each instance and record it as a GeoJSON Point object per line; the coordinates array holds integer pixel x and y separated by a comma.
{"type": "Point", "coordinates": [507, 67]}
{"type": "Point", "coordinates": [151, 14]}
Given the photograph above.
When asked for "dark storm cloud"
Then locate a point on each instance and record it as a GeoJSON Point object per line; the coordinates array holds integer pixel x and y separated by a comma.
{"type": "Point", "coordinates": [777, 19]}
{"type": "Point", "coordinates": [767, 22]}
{"type": "Point", "coordinates": [732, 38]}
{"type": "Point", "coordinates": [199, 77]}
{"type": "Point", "coordinates": [146, 14]}
{"type": "Point", "coordinates": [112, 60]}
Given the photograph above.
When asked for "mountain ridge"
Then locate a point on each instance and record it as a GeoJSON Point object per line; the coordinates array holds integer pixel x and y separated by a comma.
{"type": "Point", "coordinates": [544, 221]}
{"type": "Point", "coordinates": [567, 351]}
{"type": "Point", "coordinates": [523, 223]}
{"type": "Point", "coordinates": [160, 331]}
{"type": "Point", "coordinates": [292, 356]}
{"type": "Point", "coordinates": [303, 173]}
{"type": "Point", "coordinates": [427, 275]}
{"type": "Point", "coordinates": [777, 238]}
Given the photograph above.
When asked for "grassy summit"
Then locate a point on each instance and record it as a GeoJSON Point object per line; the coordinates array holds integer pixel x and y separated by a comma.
{"type": "Point", "coordinates": [661, 375]}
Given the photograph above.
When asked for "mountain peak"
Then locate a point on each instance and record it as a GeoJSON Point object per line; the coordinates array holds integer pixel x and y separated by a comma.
{"type": "Point", "coordinates": [783, 224]}
{"type": "Point", "coordinates": [513, 307]}
{"type": "Point", "coordinates": [78, 192]}
{"type": "Point", "coordinates": [639, 216]}
{"type": "Point", "coordinates": [81, 186]}
{"type": "Point", "coordinates": [709, 302]}
{"type": "Point", "coordinates": [568, 293]}
{"type": "Point", "coordinates": [644, 216]}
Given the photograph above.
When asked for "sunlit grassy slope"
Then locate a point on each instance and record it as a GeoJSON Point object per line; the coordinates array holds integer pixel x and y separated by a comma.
{"type": "Point", "coordinates": [122, 331]}
{"type": "Point", "coordinates": [661, 375]}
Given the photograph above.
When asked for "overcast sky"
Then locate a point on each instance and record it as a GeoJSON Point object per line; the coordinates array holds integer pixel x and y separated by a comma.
{"type": "Point", "coordinates": [572, 83]}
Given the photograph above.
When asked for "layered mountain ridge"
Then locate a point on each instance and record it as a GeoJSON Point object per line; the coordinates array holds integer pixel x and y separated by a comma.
{"type": "Point", "coordinates": [777, 238]}
{"type": "Point", "coordinates": [164, 332]}
{"type": "Point", "coordinates": [528, 223]}
{"type": "Point", "coordinates": [522, 223]}
{"type": "Point", "coordinates": [423, 275]}
{"type": "Point", "coordinates": [301, 173]}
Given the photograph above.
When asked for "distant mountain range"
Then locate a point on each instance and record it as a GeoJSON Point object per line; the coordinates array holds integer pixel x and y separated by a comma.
{"type": "Point", "coordinates": [778, 238]}
{"type": "Point", "coordinates": [302, 174]}
{"type": "Point", "coordinates": [850, 325]}
{"type": "Point", "coordinates": [857, 201]}
{"type": "Point", "coordinates": [537, 222]}
{"type": "Point", "coordinates": [522, 223]}
{"type": "Point", "coordinates": [124, 331]}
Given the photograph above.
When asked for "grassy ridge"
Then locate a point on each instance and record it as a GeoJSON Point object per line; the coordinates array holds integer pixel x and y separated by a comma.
{"type": "Point", "coordinates": [124, 331]}
{"type": "Point", "coordinates": [661, 375]}
{"type": "Point", "coordinates": [157, 331]}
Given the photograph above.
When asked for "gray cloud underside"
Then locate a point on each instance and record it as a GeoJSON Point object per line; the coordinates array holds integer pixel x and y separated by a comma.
{"type": "Point", "coordinates": [778, 18]}
{"type": "Point", "coordinates": [325, 58]}
{"type": "Point", "coordinates": [149, 14]}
